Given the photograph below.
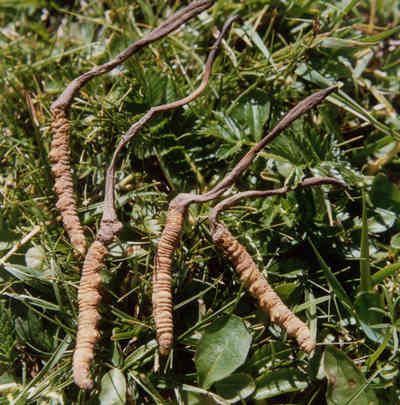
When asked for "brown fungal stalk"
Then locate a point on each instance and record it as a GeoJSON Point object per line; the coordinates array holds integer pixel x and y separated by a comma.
{"type": "Point", "coordinates": [89, 296]}
{"type": "Point", "coordinates": [60, 154]}
{"type": "Point", "coordinates": [249, 274]}
{"type": "Point", "coordinates": [162, 295]}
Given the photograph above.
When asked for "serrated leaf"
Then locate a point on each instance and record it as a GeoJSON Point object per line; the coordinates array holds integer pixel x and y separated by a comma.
{"type": "Point", "coordinates": [222, 349]}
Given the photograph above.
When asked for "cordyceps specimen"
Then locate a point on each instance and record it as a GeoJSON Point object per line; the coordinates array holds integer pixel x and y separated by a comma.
{"type": "Point", "coordinates": [60, 154]}
{"type": "Point", "coordinates": [89, 296]}
{"type": "Point", "coordinates": [162, 294]}
{"type": "Point", "coordinates": [251, 276]}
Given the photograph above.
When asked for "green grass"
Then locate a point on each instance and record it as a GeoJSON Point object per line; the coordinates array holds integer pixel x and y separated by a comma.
{"type": "Point", "coordinates": [331, 254]}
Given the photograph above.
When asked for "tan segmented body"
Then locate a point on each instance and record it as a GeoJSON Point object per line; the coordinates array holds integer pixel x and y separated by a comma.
{"type": "Point", "coordinates": [260, 289]}
{"type": "Point", "coordinates": [59, 156]}
{"type": "Point", "coordinates": [162, 294]}
{"type": "Point", "coordinates": [89, 298]}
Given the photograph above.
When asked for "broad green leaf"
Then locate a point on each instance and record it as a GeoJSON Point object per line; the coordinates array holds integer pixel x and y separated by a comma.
{"type": "Point", "coordinates": [285, 290]}
{"type": "Point", "coordinates": [381, 221]}
{"type": "Point", "coordinates": [235, 387]}
{"type": "Point", "coordinates": [366, 305]}
{"type": "Point", "coordinates": [222, 349]}
{"type": "Point", "coordinates": [346, 384]}
{"type": "Point", "coordinates": [385, 194]}
{"type": "Point", "coordinates": [395, 241]}
{"type": "Point", "coordinates": [251, 113]}
{"type": "Point", "coordinates": [245, 119]}
{"type": "Point", "coordinates": [113, 388]}
{"type": "Point", "coordinates": [279, 382]}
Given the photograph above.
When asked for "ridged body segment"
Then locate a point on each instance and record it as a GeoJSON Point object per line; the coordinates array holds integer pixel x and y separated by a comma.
{"type": "Point", "coordinates": [89, 298]}
{"type": "Point", "coordinates": [162, 294]}
{"type": "Point", "coordinates": [60, 157]}
{"type": "Point", "coordinates": [260, 289]}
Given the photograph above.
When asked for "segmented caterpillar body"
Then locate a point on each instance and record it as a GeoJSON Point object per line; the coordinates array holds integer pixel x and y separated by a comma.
{"type": "Point", "coordinates": [59, 156]}
{"type": "Point", "coordinates": [162, 294]}
{"type": "Point", "coordinates": [260, 289]}
{"type": "Point", "coordinates": [89, 297]}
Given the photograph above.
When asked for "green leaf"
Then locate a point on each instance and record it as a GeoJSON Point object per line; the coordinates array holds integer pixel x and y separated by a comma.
{"type": "Point", "coordinates": [30, 329]}
{"type": "Point", "coordinates": [395, 241]}
{"type": "Point", "coordinates": [365, 304]}
{"type": "Point", "coordinates": [385, 194]}
{"type": "Point", "coordinates": [332, 280]}
{"type": "Point", "coordinates": [113, 388]}
{"type": "Point", "coordinates": [197, 396]}
{"type": "Point", "coordinates": [285, 290]}
{"type": "Point", "coordinates": [381, 36]}
{"type": "Point", "coordinates": [251, 113]}
{"type": "Point", "coordinates": [235, 387]}
{"type": "Point", "coordinates": [279, 382]}
{"type": "Point", "coordinates": [365, 273]}
{"type": "Point", "coordinates": [34, 386]}
{"type": "Point", "coordinates": [222, 349]}
{"type": "Point", "coordinates": [375, 356]}
{"type": "Point", "coordinates": [258, 41]}
{"type": "Point", "coordinates": [387, 271]}
{"type": "Point", "coordinates": [346, 384]}
{"type": "Point", "coordinates": [381, 221]}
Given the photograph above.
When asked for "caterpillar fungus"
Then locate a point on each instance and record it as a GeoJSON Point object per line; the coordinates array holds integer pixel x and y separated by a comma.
{"type": "Point", "coordinates": [169, 240]}
{"type": "Point", "coordinates": [251, 276]}
{"type": "Point", "coordinates": [60, 154]}
{"type": "Point", "coordinates": [162, 294]}
{"type": "Point", "coordinates": [89, 296]}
